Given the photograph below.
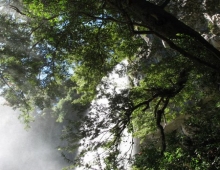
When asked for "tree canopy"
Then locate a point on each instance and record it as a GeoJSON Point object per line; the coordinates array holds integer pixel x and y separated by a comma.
{"type": "Point", "coordinates": [57, 57]}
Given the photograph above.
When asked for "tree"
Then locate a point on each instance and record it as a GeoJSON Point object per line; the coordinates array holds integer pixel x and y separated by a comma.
{"type": "Point", "coordinates": [75, 44]}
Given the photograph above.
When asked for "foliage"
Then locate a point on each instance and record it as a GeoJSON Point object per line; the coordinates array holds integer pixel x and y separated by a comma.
{"type": "Point", "coordinates": [59, 59]}
{"type": "Point", "coordinates": [200, 150]}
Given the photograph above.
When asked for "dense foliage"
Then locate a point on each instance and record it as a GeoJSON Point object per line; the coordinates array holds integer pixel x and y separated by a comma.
{"type": "Point", "coordinates": [58, 57]}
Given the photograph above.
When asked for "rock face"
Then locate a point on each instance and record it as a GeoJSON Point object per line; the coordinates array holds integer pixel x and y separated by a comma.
{"type": "Point", "coordinates": [214, 25]}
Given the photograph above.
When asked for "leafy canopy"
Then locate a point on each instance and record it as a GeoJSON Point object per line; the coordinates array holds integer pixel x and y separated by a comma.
{"type": "Point", "coordinates": [58, 58]}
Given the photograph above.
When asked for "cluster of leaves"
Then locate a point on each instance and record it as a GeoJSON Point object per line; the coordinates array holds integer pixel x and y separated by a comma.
{"type": "Point", "coordinates": [29, 73]}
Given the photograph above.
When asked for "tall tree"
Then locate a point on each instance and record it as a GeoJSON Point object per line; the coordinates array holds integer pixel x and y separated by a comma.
{"type": "Point", "coordinates": [73, 45]}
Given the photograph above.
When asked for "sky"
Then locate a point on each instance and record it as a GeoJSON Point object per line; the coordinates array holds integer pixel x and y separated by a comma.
{"type": "Point", "coordinates": [33, 149]}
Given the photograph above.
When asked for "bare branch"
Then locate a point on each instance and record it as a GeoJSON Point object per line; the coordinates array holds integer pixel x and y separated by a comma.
{"type": "Point", "coordinates": [16, 9]}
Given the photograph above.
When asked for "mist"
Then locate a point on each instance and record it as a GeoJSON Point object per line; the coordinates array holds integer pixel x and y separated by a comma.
{"type": "Point", "coordinates": [32, 149]}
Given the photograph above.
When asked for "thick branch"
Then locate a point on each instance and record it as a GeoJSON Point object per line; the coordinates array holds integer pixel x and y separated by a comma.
{"type": "Point", "coordinates": [186, 54]}
{"type": "Point", "coordinates": [168, 26]}
{"type": "Point", "coordinates": [160, 127]}
{"type": "Point", "coordinates": [159, 115]}
{"type": "Point", "coordinates": [157, 106]}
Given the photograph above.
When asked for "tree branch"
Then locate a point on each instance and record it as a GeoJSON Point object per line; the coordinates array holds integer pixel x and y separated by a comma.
{"type": "Point", "coordinates": [157, 106]}
{"type": "Point", "coordinates": [165, 4]}
{"type": "Point", "coordinates": [21, 96]}
{"type": "Point", "coordinates": [186, 54]}
{"type": "Point", "coordinates": [143, 32]}
{"type": "Point", "coordinates": [16, 9]}
{"type": "Point", "coordinates": [160, 127]}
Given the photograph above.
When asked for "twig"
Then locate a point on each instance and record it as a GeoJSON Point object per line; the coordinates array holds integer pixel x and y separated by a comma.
{"type": "Point", "coordinates": [16, 9]}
